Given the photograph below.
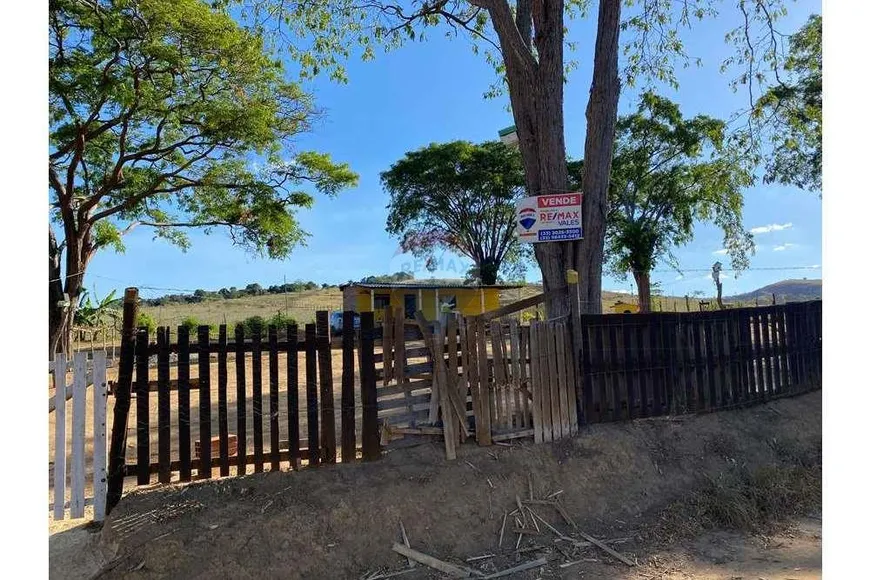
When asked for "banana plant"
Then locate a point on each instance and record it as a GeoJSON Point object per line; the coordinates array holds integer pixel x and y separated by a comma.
{"type": "Point", "coordinates": [93, 313]}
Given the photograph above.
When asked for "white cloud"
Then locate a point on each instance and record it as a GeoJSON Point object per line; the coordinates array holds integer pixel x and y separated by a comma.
{"type": "Point", "coordinates": [816, 266]}
{"type": "Point", "coordinates": [678, 278]}
{"type": "Point", "coordinates": [782, 247]}
{"type": "Point", "coordinates": [721, 252]}
{"type": "Point", "coordinates": [770, 228]}
{"type": "Point", "coordinates": [619, 291]}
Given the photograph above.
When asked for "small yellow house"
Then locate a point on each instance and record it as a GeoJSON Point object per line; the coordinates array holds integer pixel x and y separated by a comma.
{"type": "Point", "coordinates": [433, 297]}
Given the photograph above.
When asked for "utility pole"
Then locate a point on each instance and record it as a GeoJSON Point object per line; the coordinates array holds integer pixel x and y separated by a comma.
{"type": "Point", "coordinates": [717, 267]}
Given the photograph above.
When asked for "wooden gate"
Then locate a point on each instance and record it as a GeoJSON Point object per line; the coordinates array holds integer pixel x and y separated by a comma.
{"type": "Point", "coordinates": [85, 374]}
{"type": "Point", "coordinates": [486, 376]}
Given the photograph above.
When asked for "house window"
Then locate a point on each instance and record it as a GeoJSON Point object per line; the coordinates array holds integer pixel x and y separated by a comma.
{"type": "Point", "coordinates": [447, 302]}
{"type": "Point", "coordinates": [382, 301]}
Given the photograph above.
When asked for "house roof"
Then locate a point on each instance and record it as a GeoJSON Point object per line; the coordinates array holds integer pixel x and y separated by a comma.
{"type": "Point", "coordinates": [428, 285]}
{"type": "Point", "coordinates": [507, 131]}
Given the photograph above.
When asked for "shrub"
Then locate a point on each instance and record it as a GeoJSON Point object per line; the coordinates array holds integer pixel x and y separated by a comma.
{"type": "Point", "coordinates": [281, 321]}
{"type": "Point", "coordinates": [191, 323]}
{"type": "Point", "coordinates": [253, 325]}
{"type": "Point", "coordinates": [147, 321]}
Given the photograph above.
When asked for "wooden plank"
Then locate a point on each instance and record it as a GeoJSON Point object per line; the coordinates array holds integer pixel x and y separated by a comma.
{"type": "Point", "coordinates": [499, 379]}
{"type": "Point", "coordinates": [60, 435]}
{"type": "Point", "coordinates": [710, 359]}
{"type": "Point", "coordinates": [525, 403]}
{"type": "Point", "coordinates": [77, 463]}
{"type": "Point", "coordinates": [517, 418]}
{"type": "Point", "coordinates": [544, 345]}
{"type": "Point", "coordinates": [241, 404]}
{"type": "Point", "coordinates": [164, 435]}
{"type": "Point", "coordinates": [631, 370]}
{"type": "Point", "coordinates": [99, 445]}
{"type": "Point", "coordinates": [589, 414]}
{"type": "Point", "coordinates": [600, 378]}
{"type": "Point", "coordinates": [348, 380]}
{"type": "Point", "coordinates": [617, 376]}
{"type": "Point", "coordinates": [766, 353]}
{"type": "Point", "coordinates": [293, 392]}
{"type": "Point", "coordinates": [311, 394]}
{"type": "Point", "coordinates": [204, 364]}
{"type": "Point", "coordinates": [535, 379]}
{"type": "Point", "coordinates": [449, 419]}
{"type": "Point", "coordinates": [257, 397]}
{"type": "Point", "coordinates": [274, 428]}
{"type": "Point", "coordinates": [370, 437]}
{"type": "Point", "coordinates": [388, 345]}
{"type": "Point", "coordinates": [723, 360]}
{"type": "Point", "coordinates": [441, 566]}
{"type": "Point", "coordinates": [773, 323]}
{"type": "Point", "coordinates": [400, 360]}
{"type": "Point", "coordinates": [671, 345]}
{"type": "Point", "coordinates": [746, 355]}
{"type": "Point", "coordinates": [121, 411]}
{"type": "Point", "coordinates": [184, 403]}
{"type": "Point", "coordinates": [223, 422]}
{"type": "Point", "coordinates": [453, 370]}
{"type": "Point", "coordinates": [520, 305]}
{"type": "Point", "coordinates": [782, 348]}
{"type": "Point", "coordinates": [564, 385]}
{"type": "Point", "coordinates": [143, 449]}
{"type": "Point", "coordinates": [555, 382]}
{"type": "Point", "coordinates": [734, 357]}
{"type": "Point", "coordinates": [659, 406]}
{"type": "Point", "coordinates": [757, 361]}
{"type": "Point", "coordinates": [470, 369]}
{"type": "Point", "coordinates": [571, 380]}
{"type": "Point", "coordinates": [327, 395]}
{"type": "Point", "coordinates": [483, 429]}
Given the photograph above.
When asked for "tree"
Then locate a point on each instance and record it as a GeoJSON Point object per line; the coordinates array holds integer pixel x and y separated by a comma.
{"type": "Point", "coordinates": [791, 112]}
{"type": "Point", "coordinates": [668, 174]}
{"type": "Point", "coordinates": [525, 42]}
{"type": "Point", "coordinates": [457, 196]}
{"type": "Point", "coordinates": [167, 114]}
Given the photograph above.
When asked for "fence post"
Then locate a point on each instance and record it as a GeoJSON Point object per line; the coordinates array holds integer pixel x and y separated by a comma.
{"type": "Point", "coordinates": [118, 447]}
{"type": "Point", "coordinates": [370, 439]}
{"type": "Point", "coordinates": [575, 341]}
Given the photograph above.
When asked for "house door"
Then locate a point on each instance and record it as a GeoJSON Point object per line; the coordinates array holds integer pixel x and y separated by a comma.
{"type": "Point", "coordinates": [410, 305]}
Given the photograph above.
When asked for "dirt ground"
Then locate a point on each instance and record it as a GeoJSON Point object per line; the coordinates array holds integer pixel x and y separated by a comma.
{"type": "Point", "coordinates": [617, 482]}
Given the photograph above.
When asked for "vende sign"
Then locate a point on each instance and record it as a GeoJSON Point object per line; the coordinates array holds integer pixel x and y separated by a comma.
{"type": "Point", "coordinates": [550, 218]}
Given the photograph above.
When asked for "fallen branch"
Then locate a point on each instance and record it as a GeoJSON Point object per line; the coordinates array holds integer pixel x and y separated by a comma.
{"type": "Point", "coordinates": [411, 563]}
{"type": "Point", "coordinates": [440, 565]}
{"type": "Point", "coordinates": [527, 566]}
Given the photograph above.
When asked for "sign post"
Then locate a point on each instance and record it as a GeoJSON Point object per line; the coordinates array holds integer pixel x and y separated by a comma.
{"type": "Point", "coordinates": [550, 218]}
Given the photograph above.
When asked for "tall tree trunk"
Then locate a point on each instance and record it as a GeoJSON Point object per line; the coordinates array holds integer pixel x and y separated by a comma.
{"type": "Point", "coordinates": [719, 296]}
{"type": "Point", "coordinates": [598, 154]}
{"type": "Point", "coordinates": [644, 297]}
{"type": "Point", "coordinates": [488, 271]}
{"type": "Point", "coordinates": [58, 337]}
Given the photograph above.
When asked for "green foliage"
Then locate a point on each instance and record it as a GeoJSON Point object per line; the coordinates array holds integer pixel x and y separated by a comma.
{"type": "Point", "coordinates": [168, 114]}
{"type": "Point", "coordinates": [100, 312]}
{"type": "Point", "coordinates": [669, 173]}
{"type": "Point", "coordinates": [386, 278]}
{"type": "Point", "coordinates": [791, 112]}
{"type": "Point", "coordinates": [145, 320]}
{"type": "Point", "coordinates": [281, 321]}
{"type": "Point", "coordinates": [457, 196]}
{"type": "Point", "coordinates": [254, 325]}
{"type": "Point", "coordinates": [192, 323]}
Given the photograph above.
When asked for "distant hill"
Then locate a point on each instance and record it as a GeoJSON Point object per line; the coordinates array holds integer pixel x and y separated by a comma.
{"type": "Point", "coordinates": [785, 291]}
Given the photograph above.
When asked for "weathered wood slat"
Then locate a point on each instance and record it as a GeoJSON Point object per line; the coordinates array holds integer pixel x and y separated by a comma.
{"type": "Point", "coordinates": [544, 369]}
{"type": "Point", "coordinates": [99, 445]}
{"type": "Point", "coordinates": [274, 428]}
{"type": "Point", "coordinates": [143, 449]}
{"type": "Point", "coordinates": [293, 436]}
{"type": "Point", "coordinates": [164, 435]}
{"type": "Point", "coordinates": [223, 421]}
{"type": "Point", "coordinates": [184, 387]}
{"type": "Point", "coordinates": [371, 449]}
{"type": "Point", "coordinates": [483, 429]}
{"type": "Point", "coordinates": [59, 435]}
{"type": "Point", "coordinates": [520, 305]}
{"type": "Point", "coordinates": [77, 466]}
{"type": "Point", "coordinates": [241, 404]}
{"type": "Point", "coordinates": [327, 396]}
{"type": "Point", "coordinates": [311, 394]}
{"type": "Point", "coordinates": [348, 379]}
{"type": "Point", "coordinates": [388, 345]}
{"type": "Point", "coordinates": [565, 385]}
{"type": "Point", "coordinates": [453, 370]}
{"type": "Point", "coordinates": [204, 402]}
{"type": "Point", "coordinates": [257, 397]}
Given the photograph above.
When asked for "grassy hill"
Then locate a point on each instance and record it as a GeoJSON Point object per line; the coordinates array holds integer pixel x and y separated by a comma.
{"type": "Point", "coordinates": [786, 291]}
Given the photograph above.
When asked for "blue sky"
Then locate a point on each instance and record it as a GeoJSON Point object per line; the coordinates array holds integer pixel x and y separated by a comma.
{"type": "Point", "coordinates": [433, 92]}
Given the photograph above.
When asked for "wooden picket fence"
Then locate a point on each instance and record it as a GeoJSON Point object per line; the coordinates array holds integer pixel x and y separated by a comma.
{"type": "Point", "coordinates": [75, 460]}
{"type": "Point", "coordinates": [255, 427]}
{"type": "Point", "coordinates": [643, 365]}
